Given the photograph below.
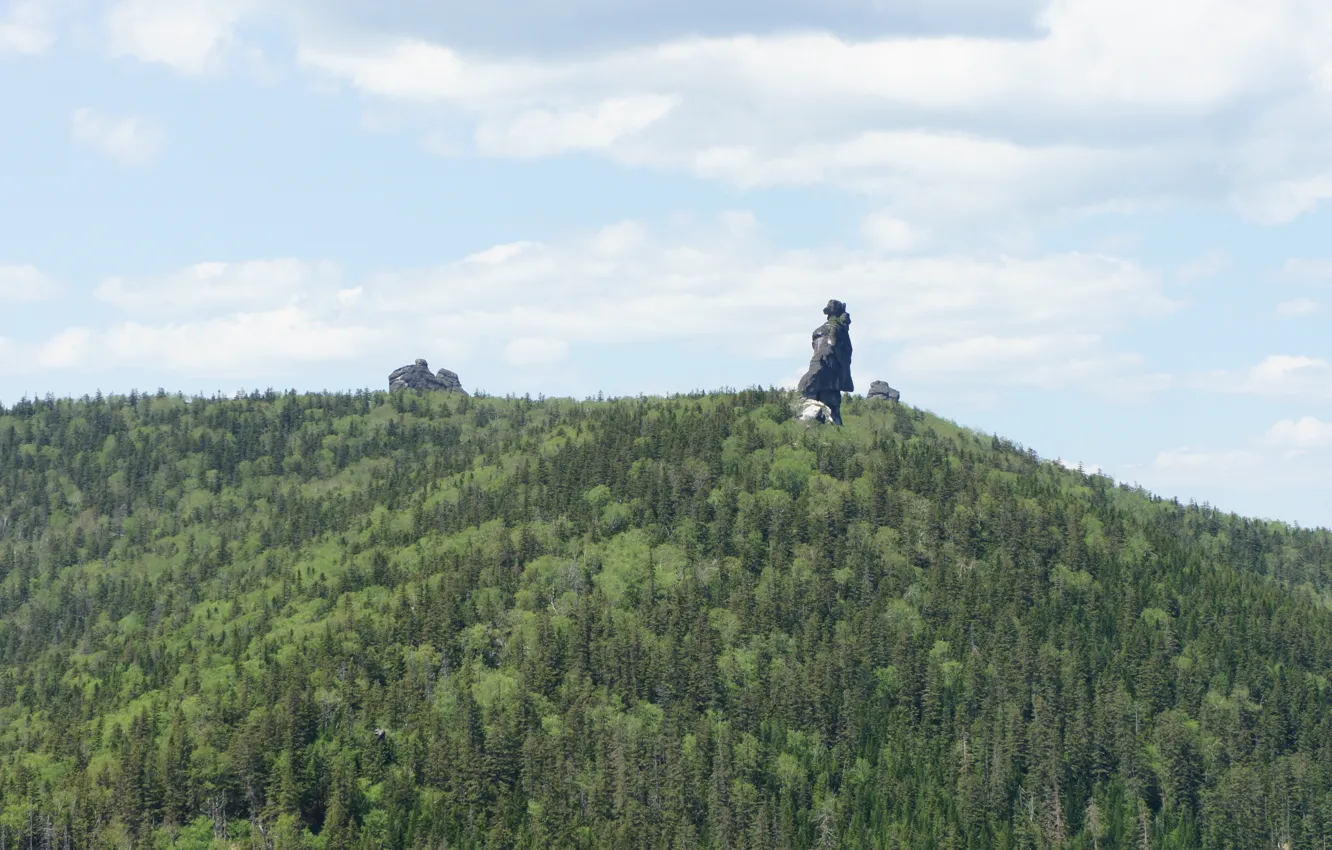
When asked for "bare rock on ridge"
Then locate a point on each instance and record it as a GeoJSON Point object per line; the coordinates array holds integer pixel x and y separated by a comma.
{"type": "Point", "coordinates": [881, 390]}
{"type": "Point", "coordinates": [417, 377]}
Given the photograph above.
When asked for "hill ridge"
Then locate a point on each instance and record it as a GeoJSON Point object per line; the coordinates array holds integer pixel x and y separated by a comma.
{"type": "Point", "coordinates": [363, 619]}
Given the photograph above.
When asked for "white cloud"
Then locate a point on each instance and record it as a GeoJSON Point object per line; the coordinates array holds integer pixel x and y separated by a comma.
{"type": "Point", "coordinates": [238, 346]}
{"type": "Point", "coordinates": [1305, 433]}
{"type": "Point", "coordinates": [1050, 361]}
{"type": "Point", "coordinates": [1093, 54]}
{"type": "Point", "coordinates": [625, 237]}
{"type": "Point", "coordinates": [1203, 267]}
{"type": "Point", "coordinates": [983, 321]}
{"type": "Point", "coordinates": [67, 348]}
{"type": "Point", "coordinates": [25, 283]}
{"type": "Point", "coordinates": [1315, 270]}
{"type": "Point", "coordinates": [535, 352]}
{"type": "Point", "coordinates": [1114, 105]}
{"type": "Point", "coordinates": [951, 317]}
{"type": "Point", "coordinates": [235, 320]}
{"type": "Point", "coordinates": [891, 234]}
{"type": "Point", "coordinates": [1193, 466]}
{"type": "Point", "coordinates": [129, 141]}
{"type": "Point", "coordinates": [242, 346]}
{"type": "Point", "coordinates": [62, 350]}
{"type": "Point", "coordinates": [1281, 201]}
{"type": "Point", "coordinates": [940, 175]}
{"type": "Point", "coordinates": [737, 223]}
{"type": "Point", "coordinates": [1290, 454]}
{"type": "Point", "coordinates": [211, 287]}
{"type": "Point", "coordinates": [541, 132]}
{"type": "Point", "coordinates": [1298, 307]}
{"type": "Point", "coordinates": [1105, 105]}
{"type": "Point", "coordinates": [1276, 376]}
{"type": "Point", "coordinates": [191, 36]}
{"type": "Point", "coordinates": [500, 253]}
{"type": "Point", "coordinates": [26, 28]}
{"type": "Point", "coordinates": [410, 69]}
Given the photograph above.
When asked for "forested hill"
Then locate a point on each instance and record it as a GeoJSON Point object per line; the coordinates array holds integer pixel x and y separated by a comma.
{"type": "Point", "coordinates": [356, 620]}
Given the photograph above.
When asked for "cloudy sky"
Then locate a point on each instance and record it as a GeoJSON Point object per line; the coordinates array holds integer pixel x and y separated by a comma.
{"type": "Point", "coordinates": [1102, 228]}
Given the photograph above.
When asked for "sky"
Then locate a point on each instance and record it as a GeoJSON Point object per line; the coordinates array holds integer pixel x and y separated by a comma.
{"type": "Point", "coordinates": [1100, 228]}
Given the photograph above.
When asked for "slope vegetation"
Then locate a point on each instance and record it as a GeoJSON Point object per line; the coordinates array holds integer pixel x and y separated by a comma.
{"type": "Point", "coordinates": [361, 620]}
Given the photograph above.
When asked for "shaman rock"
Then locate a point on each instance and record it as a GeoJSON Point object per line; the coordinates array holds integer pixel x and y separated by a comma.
{"type": "Point", "coordinates": [417, 377]}
{"type": "Point", "coordinates": [829, 372]}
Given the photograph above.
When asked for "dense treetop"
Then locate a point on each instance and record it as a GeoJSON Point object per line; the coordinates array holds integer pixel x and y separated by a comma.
{"type": "Point", "coordinates": [363, 620]}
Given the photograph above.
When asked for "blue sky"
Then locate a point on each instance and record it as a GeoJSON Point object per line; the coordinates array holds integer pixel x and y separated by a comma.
{"type": "Point", "coordinates": [1097, 227]}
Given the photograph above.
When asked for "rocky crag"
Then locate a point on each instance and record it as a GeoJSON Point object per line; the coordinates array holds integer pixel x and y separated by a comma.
{"type": "Point", "coordinates": [881, 390]}
{"type": "Point", "coordinates": [829, 372]}
{"type": "Point", "coordinates": [418, 377]}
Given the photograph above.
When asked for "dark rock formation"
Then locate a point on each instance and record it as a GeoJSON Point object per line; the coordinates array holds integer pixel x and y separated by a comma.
{"type": "Point", "coordinates": [829, 372]}
{"type": "Point", "coordinates": [880, 389]}
{"type": "Point", "coordinates": [417, 377]}
{"type": "Point", "coordinates": [452, 383]}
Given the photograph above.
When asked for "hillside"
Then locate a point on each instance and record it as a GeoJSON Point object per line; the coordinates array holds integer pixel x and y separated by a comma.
{"type": "Point", "coordinates": [362, 620]}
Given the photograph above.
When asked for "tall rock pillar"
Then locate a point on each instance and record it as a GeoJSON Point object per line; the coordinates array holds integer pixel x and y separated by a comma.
{"type": "Point", "coordinates": [829, 372]}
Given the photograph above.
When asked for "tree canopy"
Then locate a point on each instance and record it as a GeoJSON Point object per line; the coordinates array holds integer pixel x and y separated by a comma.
{"type": "Point", "coordinates": [423, 621]}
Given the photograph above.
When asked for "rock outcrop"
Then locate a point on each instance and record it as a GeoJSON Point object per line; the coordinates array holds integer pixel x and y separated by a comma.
{"type": "Point", "coordinates": [417, 377]}
{"type": "Point", "coordinates": [811, 410]}
{"type": "Point", "coordinates": [881, 390]}
{"type": "Point", "coordinates": [829, 372]}
{"type": "Point", "coordinates": [452, 383]}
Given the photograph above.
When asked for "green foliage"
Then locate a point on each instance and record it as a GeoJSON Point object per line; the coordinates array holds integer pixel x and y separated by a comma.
{"type": "Point", "coordinates": [362, 620]}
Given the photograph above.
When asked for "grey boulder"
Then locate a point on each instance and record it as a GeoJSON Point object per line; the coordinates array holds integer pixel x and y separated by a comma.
{"type": "Point", "coordinates": [417, 377]}
{"type": "Point", "coordinates": [813, 411]}
{"type": "Point", "coordinates": [881, 390]}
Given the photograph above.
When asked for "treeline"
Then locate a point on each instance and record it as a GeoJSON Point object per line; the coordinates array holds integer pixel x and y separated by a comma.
{"type": "Point", "coordinates": [410, 621]}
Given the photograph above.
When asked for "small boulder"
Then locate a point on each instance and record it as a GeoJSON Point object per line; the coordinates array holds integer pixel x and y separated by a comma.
{"type": "Point", "coordinates": [452, 383]}
{"type": "Point", "coordinates": [812, 410]}
{"type": "Point", "coordinates": [881, 390]}
{"type": "Point", "coordinates": [417, 377]}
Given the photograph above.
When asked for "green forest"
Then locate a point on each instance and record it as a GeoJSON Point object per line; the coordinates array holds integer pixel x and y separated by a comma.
{"type": "Point", "coordinates": [363, 620]}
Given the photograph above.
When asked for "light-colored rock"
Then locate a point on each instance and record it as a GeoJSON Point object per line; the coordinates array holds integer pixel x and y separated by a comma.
{"type": "Point", "coordinates": [417, 377]}
{"type": "Point", "coordinates": [812, 410]}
